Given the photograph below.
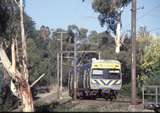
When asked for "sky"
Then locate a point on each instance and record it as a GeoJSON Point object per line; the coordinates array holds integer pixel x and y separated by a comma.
{"type": "Point", "coordinates": [61, 13]}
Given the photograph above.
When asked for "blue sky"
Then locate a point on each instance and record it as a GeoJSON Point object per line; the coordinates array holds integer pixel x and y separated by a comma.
{"type": "Point", "coordinates": [61, 13]}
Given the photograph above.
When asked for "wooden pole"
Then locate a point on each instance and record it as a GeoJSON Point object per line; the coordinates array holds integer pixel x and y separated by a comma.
{"type": "Point", "coordinates": [133, 72]}
{"type": "Point", "coordinates": [75, 70]}
{"type": "Point", "coordinates": [58, 83]}
{"type": "Point", "coordinates": [61, 71]}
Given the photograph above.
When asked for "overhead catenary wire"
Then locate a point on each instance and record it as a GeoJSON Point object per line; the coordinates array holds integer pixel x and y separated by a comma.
{"type": "Point", "coordinates": [147, 13]}
{"type": "Point", "coordinates": [155, 29]}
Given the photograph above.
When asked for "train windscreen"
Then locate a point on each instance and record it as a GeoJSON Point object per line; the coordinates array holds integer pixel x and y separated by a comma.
{"type": "Point", "coordinates": [106, 73]}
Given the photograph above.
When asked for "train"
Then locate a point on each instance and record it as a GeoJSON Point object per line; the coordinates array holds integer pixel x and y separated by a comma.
{"type": "Point", "coordinates": [100, 78]}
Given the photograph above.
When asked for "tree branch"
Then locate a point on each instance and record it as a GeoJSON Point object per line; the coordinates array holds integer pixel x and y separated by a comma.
{"type": "Point", "coordinates": [16, 47]}
{"type": "Point", "coordinates": [13, 55]}
{"type": "Point", "coordinates": [37, 80]}
{"type": "Point", "coordinates": [7, 64]}
{"type": "Point", "coordinates": [17, 3]}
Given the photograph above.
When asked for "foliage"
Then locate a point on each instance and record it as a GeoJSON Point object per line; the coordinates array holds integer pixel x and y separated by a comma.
{"type": "Point", "coordinates": [126, 90]}
{"type": "Point", "coordinates": [151, 62]}
{"type": "Point", "coordinates": [110, 12]}
{"type": "Point", "coordinates": [154, 79]}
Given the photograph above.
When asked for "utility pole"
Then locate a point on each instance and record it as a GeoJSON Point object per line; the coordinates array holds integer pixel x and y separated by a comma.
{"type": "Point", "coordinates": [133, 72]}
{"type": "Point", "coordinates": [60, 74]}
{"type": "Point", "coordinates": [61, 71]}
{"type": "Point", "coordinates": [75, 69]}
{"type": "Point", "coordinates": [58, 85]}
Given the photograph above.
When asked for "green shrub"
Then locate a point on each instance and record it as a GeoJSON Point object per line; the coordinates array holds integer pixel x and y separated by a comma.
{"type": "Point", "coordinates": [153, 79]}
{"type": "Point", "coordinates": [126, 90]}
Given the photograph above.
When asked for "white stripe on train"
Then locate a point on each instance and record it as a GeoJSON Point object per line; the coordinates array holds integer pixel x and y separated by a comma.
{"type": "Point", "coordinates": [107, 82]}
{"type": "Point", "coordinates": [118, 82]}
{"type": "Point", "coordinates": [93, 81]}
{"type": "Point", "coordinates": [99, 81]}
{"type": "Point", "coordinates": [111, 83]}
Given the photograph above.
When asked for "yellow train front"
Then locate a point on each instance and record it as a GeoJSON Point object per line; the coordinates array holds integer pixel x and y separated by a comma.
{"type": "Point", "coordinates": [100, 78]}
{"type": "Point", "coordinates": [105, 78]}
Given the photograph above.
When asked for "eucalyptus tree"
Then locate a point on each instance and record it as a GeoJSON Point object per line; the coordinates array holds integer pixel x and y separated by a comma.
{"type": "Point", "coordinates": [110, 15]}
{"type": "Point", "coordinates": [13, 53]}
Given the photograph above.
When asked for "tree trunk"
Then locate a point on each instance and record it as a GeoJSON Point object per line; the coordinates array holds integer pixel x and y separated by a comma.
{"type": "Point", "coordinates": [24, 46]}
{"type": "Point", "coordinates": [117, 39]}
{"type": "Point", "coordinates": [25, 91]}
{"type": "Point", "coordinates": [26, 96]}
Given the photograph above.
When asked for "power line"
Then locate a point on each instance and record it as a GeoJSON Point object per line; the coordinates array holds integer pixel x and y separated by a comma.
{"type": "Point", "coordinates": [151, 30]}
{"type": "Point", "coordinates": [155, 29]}
{"type": "Point", "coordinates": [147, 13]}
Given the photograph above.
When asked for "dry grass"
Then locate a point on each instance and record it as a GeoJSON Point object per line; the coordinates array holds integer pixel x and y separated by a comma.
{"type": "Point", "coordinates": [121, 104]}
{"type": "Point", "coordinates": [99, 105]}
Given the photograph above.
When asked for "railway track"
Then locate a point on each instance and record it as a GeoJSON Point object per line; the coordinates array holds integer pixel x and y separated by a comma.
{"type": "Point", "coordinates": [121, 104]}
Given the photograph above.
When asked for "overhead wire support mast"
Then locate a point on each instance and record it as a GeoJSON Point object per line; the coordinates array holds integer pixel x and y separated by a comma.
{"type": "Point", "coordinates": [60, 77]}
{"type": "Point", "coordinates": [75, 68]}
{"type": "Point", "coordinates": [133, 71]}
{"type": "Point", "coordinates": [60, 74]}
{"type": "Point", "coordinates": [61, 69]}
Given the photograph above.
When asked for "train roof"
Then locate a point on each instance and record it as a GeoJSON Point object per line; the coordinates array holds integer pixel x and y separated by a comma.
{"type": "Point", "coordinates": [105, 61]}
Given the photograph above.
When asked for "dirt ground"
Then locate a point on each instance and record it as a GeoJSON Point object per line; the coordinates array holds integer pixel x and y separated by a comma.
{"type": "Point", "coordinates": [121, 104]}
{"type": "Point", "coordinates": [100, 105]}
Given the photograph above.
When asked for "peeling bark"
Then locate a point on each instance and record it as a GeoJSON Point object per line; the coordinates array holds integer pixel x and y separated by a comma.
{"type": "Point", "coordinates": [13, 56]}
{"type": "Point", "coordinates": [26, 95]}
{"type": "Point", "coordinates": [25, 91]}
{"type": "Point", "coordinates": [15, 74]}
{"type": "Point", "coordinates": [24, 46]}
